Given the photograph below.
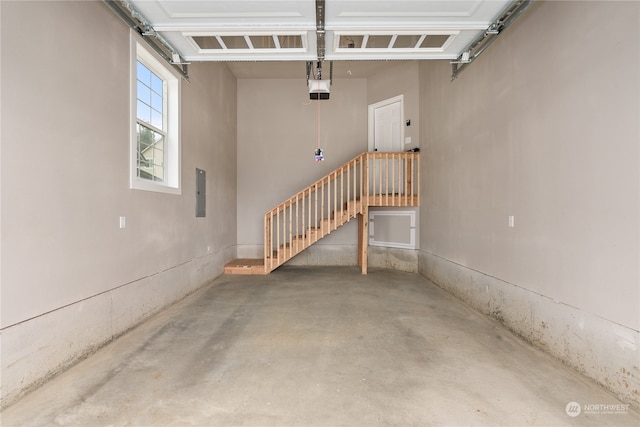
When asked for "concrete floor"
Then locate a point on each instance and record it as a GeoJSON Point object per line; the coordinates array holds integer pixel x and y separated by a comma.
{"type": "Point", "coordinates": [317, 347]}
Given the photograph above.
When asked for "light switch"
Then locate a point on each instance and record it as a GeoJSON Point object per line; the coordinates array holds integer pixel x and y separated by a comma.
{"type": "Point", "coordinates": [512, 221]}
{"type": "Point", "coordinates": [123, 221]}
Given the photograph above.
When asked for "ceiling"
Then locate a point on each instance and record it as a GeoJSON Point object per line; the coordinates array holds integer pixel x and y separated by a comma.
{"type": "Point", "coordinates": [296, 69]}
{"type": "Point", "coordinates": [287, 30]}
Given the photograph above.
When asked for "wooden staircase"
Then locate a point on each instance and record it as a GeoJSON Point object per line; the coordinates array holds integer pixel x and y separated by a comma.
{"type": "Point", "coordinates": [370, 179]}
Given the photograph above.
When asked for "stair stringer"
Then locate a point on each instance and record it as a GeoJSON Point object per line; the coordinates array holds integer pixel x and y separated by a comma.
{"type": "Point", "coordinates": [298, 244]}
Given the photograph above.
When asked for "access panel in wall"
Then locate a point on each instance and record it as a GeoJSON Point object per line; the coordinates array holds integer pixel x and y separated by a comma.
{"type": "Point", "coordinates": [393, 229]}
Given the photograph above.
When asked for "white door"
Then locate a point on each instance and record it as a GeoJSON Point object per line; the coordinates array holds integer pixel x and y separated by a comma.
{"type": "Point", "coordinates": [385, 134]}
{"type": "Point", "coordinates": [385, 125]}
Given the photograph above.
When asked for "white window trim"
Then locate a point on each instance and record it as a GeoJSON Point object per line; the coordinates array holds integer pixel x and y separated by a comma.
{"type": "Point", "coordinates": [171, 184]}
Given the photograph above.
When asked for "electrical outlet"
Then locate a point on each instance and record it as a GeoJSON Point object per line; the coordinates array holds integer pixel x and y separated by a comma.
{"type": "Point", "coordinates": [512, 221]}
{"type": "Point", "coordinates": [123, 221]}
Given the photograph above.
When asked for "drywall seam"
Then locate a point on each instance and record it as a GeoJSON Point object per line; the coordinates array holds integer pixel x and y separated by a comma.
{"type": "Point", "coordinates": [602, 350]}
{"type": "Point", "coordinates": [73, 334]}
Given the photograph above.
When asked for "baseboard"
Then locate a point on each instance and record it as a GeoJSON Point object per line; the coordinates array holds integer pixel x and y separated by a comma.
{"type": "Point", "coordinates": [597, 348]}
{"type": "Point", "coordinates": [344, 255]}
{"type": "Point", "coordinates": [37, 349]}
{"type": "Point", "coordinates": [393, 259]}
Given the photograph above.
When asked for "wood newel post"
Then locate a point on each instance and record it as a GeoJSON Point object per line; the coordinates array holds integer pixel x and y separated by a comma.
{"type": "Point", "coordinates": [409, 176]}
{"type": "Point", "coordinates": [365, 183]}
{"type": "Point", "coordinates": [363, 238]}
{"type": "Point", "coordinates": [267, 243]}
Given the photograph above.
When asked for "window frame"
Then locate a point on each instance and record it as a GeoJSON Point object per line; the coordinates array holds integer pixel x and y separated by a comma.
{"type": "Point", "coordinates": [171, 117]}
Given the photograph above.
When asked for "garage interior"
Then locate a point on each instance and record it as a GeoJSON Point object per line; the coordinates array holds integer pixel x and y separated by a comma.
{"type": "Point", "coordinates": [513, 296]}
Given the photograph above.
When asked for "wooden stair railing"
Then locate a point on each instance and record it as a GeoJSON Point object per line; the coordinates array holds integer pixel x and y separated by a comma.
{"type": "Point", "coordinates": [370, 179]}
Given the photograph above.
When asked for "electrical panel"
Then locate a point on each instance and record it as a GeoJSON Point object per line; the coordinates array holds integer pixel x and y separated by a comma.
{"type": "Point", "coordinates": [201, 193]}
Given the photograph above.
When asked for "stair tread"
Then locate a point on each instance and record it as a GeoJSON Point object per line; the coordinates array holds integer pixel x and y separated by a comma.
{"type": "Point", "coordinates": [246, 261]}
{"type": "Point", "coordinates": [245, 266]}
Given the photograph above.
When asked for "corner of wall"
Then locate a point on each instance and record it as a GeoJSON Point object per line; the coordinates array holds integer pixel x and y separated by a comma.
{"type": "Point", "coordinates": [30, 358]}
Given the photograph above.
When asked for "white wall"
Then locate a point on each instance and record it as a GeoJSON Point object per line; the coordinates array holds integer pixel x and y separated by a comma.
{"type": "Point", "coordinates": [71, 279]}
{"type": "Point", "coordinates": [277, 137]}
{"type": "Point", "coordinates": [403, 79]}
{"type": "Point", "coordinates": [544, 127]}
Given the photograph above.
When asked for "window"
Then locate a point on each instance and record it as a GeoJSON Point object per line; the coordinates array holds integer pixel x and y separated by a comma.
{"type": "Point", "coordinates": [214, 43]}
{"type": "Point", "coordinates": [436, 41]}
{"type": "Point", "coordinates": [155, 145]}
{"type": "Point", "coordinates": [151, 126]}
